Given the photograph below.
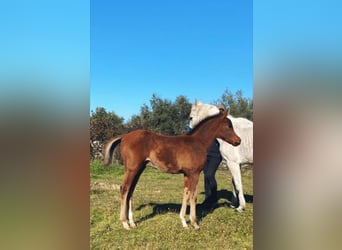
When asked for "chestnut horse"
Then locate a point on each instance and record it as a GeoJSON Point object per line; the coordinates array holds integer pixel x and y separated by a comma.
{"type": "Point", "coordinates": [184, 154]}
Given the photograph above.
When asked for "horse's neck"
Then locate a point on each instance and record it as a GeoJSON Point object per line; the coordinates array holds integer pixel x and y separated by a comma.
{"type": "Point", "coordinates": [206, 133]}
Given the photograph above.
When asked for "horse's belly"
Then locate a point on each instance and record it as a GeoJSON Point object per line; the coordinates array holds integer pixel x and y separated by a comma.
{"type": "Point", "coordinates": [165, 167]}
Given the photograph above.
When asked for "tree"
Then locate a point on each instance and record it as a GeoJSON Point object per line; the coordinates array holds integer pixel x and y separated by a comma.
{"type": "Point", "coordinates": [104, 125]}
{"type": "Point", "coordinates": [239, 106]}
{"type": "Point", "coordinates": [135, 122]}
{"type": "Point", "coordinates": [182, 108]}
{"type": "Point", "coordinates": [162, 116]}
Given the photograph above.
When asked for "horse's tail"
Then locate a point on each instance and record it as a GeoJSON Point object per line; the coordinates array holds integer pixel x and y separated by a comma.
{"type": "Point", "coordinates": [109, 149]}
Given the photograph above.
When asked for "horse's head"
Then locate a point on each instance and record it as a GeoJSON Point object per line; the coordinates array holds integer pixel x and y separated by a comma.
{"type": "Point", "coordinates": [226, 131]}
{"type": "Point", "coordinates": [217, 126]}
{"type": "Point", "coordinates": [200, 111]}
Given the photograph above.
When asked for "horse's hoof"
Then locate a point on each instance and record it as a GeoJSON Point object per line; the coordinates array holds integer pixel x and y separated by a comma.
{"type": "Point", "coordinates": [133, 225]}
{"type": "Point", "coordinates": [126, 226]}
{"type": "Point", "coordinates": [195, 225]}
{"type": "Point", "coordinates": [184, 224]}
{"type": "Point", "coordinates": [239, 209]}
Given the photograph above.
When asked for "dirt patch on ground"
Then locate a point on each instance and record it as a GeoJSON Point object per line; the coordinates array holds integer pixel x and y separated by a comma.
{"type": "Point", "coordinates": [105, 186]}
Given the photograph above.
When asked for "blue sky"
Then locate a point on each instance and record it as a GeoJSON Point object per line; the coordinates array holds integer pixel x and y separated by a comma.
{"type": "Point", "coordinates": [45, 56]}
{"type": "Point", "coordinates": [170, 48]}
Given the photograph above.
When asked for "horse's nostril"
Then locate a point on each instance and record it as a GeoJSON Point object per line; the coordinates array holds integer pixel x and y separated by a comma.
{"type": "Point", "coordinates": [237, 142]}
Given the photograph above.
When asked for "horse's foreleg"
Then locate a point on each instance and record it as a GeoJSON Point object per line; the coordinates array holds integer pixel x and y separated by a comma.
{"type": "Point", "coordinates": [186, 195]}
{"type": "Point", "coordinates": [238, 197]}
{"type": "Point", "coordinates": [193, 199]}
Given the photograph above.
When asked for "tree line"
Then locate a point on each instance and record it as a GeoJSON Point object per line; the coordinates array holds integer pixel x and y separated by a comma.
{"type": "Point", "coordinates": [161, 115]}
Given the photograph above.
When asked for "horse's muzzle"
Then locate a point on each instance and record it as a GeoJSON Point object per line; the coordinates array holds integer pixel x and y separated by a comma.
{"type": "Point", "coordinates": [237, 141]}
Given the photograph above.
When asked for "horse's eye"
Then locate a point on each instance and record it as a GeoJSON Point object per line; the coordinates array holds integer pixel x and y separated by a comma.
{"type": "Point", "coordinates": [190, 118]}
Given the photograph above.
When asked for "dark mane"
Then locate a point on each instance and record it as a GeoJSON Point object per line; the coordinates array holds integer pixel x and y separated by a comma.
{"type": "Point", "coordinates": [201, 122]}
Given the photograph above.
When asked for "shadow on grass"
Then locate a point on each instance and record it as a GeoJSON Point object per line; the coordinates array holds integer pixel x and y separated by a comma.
{"type": "Point", "coordinates": [228, 195]}
{"type": "Point", "coordinates": [201, 210]}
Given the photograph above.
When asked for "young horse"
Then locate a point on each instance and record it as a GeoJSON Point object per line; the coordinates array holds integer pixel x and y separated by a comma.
{"type": "Point", "coordinates": [235, 156]}
{"type": "Point", "coordinates": [184, 154]}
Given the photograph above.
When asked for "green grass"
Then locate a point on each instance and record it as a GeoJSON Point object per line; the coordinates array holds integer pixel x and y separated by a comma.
{"type": "Point", "coordinates": [157, 201]}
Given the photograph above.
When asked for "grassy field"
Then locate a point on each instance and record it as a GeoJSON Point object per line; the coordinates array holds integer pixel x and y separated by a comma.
{"type": "Point", "coordinates": [157, 201]}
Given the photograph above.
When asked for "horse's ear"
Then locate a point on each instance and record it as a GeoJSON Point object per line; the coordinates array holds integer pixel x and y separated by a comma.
{"type": "Point", "coordinates": [195, 102]}
{"type": "Point", "coordinates": [226, 112]}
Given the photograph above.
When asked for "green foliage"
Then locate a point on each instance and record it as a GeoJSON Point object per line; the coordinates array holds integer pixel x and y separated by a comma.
{"type": "Point", "coordinates": [239, 106]}
{"type": "Point", "coordinates": [104, 125]}
{"type": "Point", "coordinates": [163, 116]}
{"type": "Point", "coordinates": [156, 205]}
{"type": "Point", "coordinates": [182, 110]}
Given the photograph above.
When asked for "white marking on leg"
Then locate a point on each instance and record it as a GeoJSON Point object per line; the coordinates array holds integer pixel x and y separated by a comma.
{"type": "Point", "coordinates": [125, 225]}
{"type": "Point", "coordinates": [123, 210]}
{"type": "Point", "coordinates": [186, 194]}
{"type": "Point", "coordinates": [130, 214]}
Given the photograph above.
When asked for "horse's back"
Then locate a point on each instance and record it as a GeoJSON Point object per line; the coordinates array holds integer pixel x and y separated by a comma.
{"type": "Point", "coordinates": [136, 143]}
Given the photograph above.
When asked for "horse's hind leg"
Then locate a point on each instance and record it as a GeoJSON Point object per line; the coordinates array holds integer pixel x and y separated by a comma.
{"type": "Point", "coordinates": [130, 214]}
{"type": "Point", "coordinates": [124, 189]}
{"type": "Point", "coordinates": [127, 188]}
